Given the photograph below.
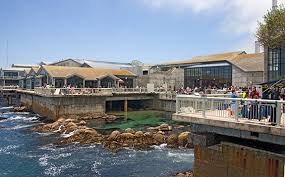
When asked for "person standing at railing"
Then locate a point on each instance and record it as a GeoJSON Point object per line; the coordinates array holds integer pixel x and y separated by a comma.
{"type": "Point", "coordinates": [244, 110]}
{"type": "Point", "coordinates": [282, 95]}
{"type": "Point", "coordinates": [253, 109]}
{"type": "Point", "coordinates": [275, 95]}
{"type": "Point", "coordinates": [233, 103]}
{"type": "Point", "coordinates": [265, 111]}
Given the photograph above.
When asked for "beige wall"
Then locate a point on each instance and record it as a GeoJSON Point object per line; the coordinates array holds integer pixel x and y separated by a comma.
{"type": "Point", "coordinates": [245, 79]}
{"type": "Point", "coordinates": [174, 78]}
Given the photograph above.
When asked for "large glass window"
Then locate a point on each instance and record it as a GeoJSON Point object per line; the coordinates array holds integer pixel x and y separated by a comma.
{"type": "Point", "coordinates": [208, 75]}
{"type": "Point", "coordinates": [276, 63]}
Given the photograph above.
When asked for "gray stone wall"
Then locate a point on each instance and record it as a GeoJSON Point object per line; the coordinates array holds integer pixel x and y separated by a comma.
{"type": "Point", "coordinates": [245, 79]}
{"type": "Point", "coordinates": [174, 78]}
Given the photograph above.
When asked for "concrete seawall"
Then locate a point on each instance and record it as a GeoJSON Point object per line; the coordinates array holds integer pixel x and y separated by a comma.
{"type": "Point", "coordinates": [54, 107]}
{"type": "Point", "coordinates": [231, 160]}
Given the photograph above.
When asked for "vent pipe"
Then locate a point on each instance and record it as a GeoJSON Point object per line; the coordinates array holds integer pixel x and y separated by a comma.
{"type": "Point", "coordinates": [257, 47]}
{"type": "Point", "coordinates": [274, 4]}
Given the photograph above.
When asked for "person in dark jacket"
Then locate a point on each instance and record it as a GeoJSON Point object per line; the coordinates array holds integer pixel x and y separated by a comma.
{"type": "Point", "coordinates": [275, 95]}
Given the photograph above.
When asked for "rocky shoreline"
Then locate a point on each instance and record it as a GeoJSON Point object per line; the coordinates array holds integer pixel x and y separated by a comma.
{"type": "Point", "coordinates": [185, 174]}
{"type": "Point", "coordinates": [75, 130]}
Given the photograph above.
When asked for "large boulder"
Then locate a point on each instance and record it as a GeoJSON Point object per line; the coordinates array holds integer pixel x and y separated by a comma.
{"type": "Point", "coordinates": [61, 120]}
{"type": "Point", "coordinates": [127, 138]}
{"type": "Point", "coordinates": [172, 140]}
{"type": "Point", "coordinates": [139, 134]}
{"type": "Point", "coordinates": [159, 138]}
{"type": "Point", "coordinates": [129, 130]}
{"type": "Point", "coordinates": [183, 139]}
{"type": "Point", "coordinates": [114, 135]}
{"type": "Point", "coordinates": [165, 127]}
{"type": "Point", "coordinates": [185, 174]}
{"type": "Point", "coordinates": [69, 120]}
{"type": "Point", "coordinates": [82, 123]}
{"type": "Point", "coordinates": [70, 127]}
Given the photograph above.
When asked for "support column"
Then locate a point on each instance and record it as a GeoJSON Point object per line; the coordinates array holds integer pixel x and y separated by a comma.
{"type": "Point", "coordinates": [53, 82]}
{"type": "Point", "coordinates": [118, 84]}
{"type": "Point", "coordinates": [126, 108]}
{"type": "Point", "coordinates": [65, 82]}
{"type": "Point", "coordinates": [99, 83]}
{"type": "Point", "coordinates": [83, 84]}
{"type": "Point", "coordinates": [9, 100]}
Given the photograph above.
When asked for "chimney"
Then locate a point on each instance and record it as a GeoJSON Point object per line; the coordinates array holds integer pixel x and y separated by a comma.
{"type": "Point", "coordinates": [257, 47]}
{"type": "Point", "coordinates": [274, 4]}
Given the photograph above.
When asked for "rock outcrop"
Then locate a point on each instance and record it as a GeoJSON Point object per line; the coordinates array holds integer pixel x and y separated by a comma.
{"type": "Point", "coordinates": [21, 109]}
{"type": "Point", "coordinates": [92, 116]}
{"type": "Point", "coordinates": [76, 131]}
{"type": "Point", "coordinates": [185, 174]}
{"type": "Point", "coordinates": [172, 141]}
{"type": "Point", "coordinates": [162, 127]}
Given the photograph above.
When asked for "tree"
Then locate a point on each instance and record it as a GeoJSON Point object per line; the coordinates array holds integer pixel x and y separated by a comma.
{"type": "Point", "coordinates": [271, 32]}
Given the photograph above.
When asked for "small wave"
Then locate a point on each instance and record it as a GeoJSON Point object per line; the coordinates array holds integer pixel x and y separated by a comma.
{"type": "Point", "coordinates": [18, 127]}
{"type": "Point", "coordinates": [159, 147]}
{"type": "Point", "coordinates": [94, 167]}
{"type": "Point", "coordinates": [181, 157]}
{"type": "Point", "coordinates": [53, 171]}
{"type": "Point", "coordinates": [66, 135]}
{"type": "Point", "coordinates": [43, 161]}
{"type": "Point", "coordinates": [20, 118]}
{"type": "Point", "coordinates": [56, 171]}
{"type": "Point", "coordinates": [43, 134]}
{"type": "Point", "coordinates": [59, 129]}
{"type": "Point", "coordinates": [8, 148]}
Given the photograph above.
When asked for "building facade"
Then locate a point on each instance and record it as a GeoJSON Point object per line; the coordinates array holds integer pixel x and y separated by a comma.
{"type": "Point", "coordinates": [220, 70]}
{"type": "Point", "coordinates": [12, 76]}
{"type": "Point", "coordinates": [168, 77]}
{"type": "Point", "coordinates": [274, 64]}
{"type": "Point", "coordinates": [79, 77]}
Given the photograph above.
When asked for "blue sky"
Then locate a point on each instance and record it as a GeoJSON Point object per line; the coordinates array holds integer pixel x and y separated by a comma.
{"type": "Point", "coordinates": [152, 31]}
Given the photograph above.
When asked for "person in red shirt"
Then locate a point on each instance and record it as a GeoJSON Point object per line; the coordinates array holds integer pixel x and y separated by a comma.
{"type": "Point", "coordinates": [254, 94]}
{"type": "Point", "coordinates": [254, 106]}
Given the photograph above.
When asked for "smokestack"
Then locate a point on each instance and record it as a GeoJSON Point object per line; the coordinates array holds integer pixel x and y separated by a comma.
{"type": "Point", "coordinates": [257, 47]}
{"type": "Point", "coordinates": [274, 4]}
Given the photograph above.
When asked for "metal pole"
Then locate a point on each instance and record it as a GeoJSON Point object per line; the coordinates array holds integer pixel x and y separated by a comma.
{"type": "Point", "coordinates": [278, 113]}
{"type": "Point", "coordinates": [204, 106]}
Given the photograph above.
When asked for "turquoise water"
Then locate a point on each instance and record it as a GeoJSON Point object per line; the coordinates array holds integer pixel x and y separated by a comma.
{"type": "Point", "coordinates": [24, 153]}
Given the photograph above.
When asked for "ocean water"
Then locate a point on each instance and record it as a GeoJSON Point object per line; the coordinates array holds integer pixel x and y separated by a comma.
{"type": "Point", "coordinates": [24, 153]}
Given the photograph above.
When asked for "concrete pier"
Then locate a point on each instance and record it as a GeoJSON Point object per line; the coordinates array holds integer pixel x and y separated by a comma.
{"type": "Point", "coordinates": [55, 106]}
{"type": "Point", "coordinates": [232, 160]}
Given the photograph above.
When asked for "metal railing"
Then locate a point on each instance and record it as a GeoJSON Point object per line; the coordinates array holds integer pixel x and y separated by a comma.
{"type": "Point", "coordinates": [11, 77]}
{"type": "Point", "coordinates": [167, 96]}
{"type": "Point", "coordinates": [73, 91]}
{"type": "Point", "coordinates": [129, 90]}
{"type": "Point", "coordinates": [258, 110]}
{"type": "Point", "coordinates": [8, 87]}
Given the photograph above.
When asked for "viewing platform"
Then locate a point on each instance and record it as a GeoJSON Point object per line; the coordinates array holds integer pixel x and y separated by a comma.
{"type": "Point", "coordinates": [254, 119]}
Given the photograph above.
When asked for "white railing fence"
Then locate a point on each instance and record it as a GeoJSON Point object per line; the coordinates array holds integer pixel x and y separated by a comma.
{"type": "Point", "coordinates": [129, 90]}
{"type": "Point", "coordinates": [9, 87]}
{"type": "Point", "coordinates": [252, 109]}
{"type": "Point", "coordinates": [73, 91]}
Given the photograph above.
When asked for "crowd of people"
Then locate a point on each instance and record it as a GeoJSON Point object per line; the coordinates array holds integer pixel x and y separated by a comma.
{"type": "Point", "coordinates": [249, 107]}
